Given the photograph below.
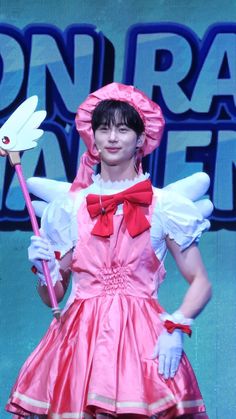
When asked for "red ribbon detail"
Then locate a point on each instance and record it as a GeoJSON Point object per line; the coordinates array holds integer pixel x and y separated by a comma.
{"type": "Point", "coordinates": [171, 326]}
{"type": "Point", "coordinates": [134, 199]}
{"type": "Point", "coordinates": [57, 255]}
{"type": "Point", "coordinates": [34, 269]}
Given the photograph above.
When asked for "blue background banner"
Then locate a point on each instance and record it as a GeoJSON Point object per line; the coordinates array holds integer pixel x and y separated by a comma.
{"type": "Point", "coordinates": [182, 54]}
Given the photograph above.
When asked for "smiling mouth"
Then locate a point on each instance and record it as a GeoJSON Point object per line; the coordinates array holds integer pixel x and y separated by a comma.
{"type": "Point", "coordinates": [112, 149]}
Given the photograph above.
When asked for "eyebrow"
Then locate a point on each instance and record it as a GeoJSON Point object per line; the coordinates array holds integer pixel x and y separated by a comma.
{"type": "Point", "coordinates": [116, 125]}
{"type": "Point", "coordinates": [121, 123]}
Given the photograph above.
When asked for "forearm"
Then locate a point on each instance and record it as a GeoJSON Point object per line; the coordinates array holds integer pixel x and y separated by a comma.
{"type": "Point", "coordinates": [60, 288]}
{"type": "Point", "coordinates": [196, 297]}
{"type": "Point", "coordinates": [193, 270]}
{"type": "Point", "coordinates": [43, 293]}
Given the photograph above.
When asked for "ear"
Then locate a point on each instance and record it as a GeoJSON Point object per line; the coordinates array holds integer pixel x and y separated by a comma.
{"type": "Point", "coordinates": [140, 140]}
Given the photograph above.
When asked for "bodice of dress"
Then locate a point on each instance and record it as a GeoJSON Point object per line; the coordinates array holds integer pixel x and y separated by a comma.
{"type": "Point", "coordinates": [116, 264]}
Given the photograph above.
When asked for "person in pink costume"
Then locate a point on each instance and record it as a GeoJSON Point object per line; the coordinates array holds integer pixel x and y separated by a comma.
{"type": "Point", "coordinates": [115, 352]}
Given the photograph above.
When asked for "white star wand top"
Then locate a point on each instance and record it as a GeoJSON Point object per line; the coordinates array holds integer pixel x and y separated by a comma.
{"type": "Point", "coordinates": [19, 133]}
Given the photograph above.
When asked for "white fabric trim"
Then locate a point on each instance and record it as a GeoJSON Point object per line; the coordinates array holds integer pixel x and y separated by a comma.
{"type": "Point", "coordinates": [150, 407]}
{"type": "Point", "coordinates": [176, 317]}
{"type": "Point", "coordinates": [134, 404]}
{"type": "Point", "coordinates": [190, 403]}
{"type": "Point", "coordinates": [177, 217]}
{"type": "Point", "coordinates": [118, 185]}
{"type": "Point", "coordinates": [67, 415]}
{"type": "Point", "coordinates": [111, 402]}
{"type": "Point", "coordinates": [32, 402]}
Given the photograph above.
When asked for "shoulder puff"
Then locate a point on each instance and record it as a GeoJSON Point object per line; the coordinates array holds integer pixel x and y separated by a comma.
{"type": "Point", "coordinates": [179, 217]}
{"type": "Point", "coordinates": [59, 222]}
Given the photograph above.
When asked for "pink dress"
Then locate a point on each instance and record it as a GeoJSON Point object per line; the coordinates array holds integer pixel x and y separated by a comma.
{"type": "Point", "coordinates": [98, 358]}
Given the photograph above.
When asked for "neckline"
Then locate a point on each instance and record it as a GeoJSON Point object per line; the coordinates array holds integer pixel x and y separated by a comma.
{"type": "Point", "coordinates": [118, 184]}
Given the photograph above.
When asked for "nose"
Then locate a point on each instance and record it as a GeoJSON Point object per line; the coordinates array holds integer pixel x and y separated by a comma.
{"type": "Point", "coordinates": [112, 134]}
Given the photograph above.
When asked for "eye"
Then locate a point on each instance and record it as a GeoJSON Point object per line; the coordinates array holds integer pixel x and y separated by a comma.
{"type": "Point", "coordinates": [123, 129]}
{"type": "Point", "coordinates": [103, 128]}
{"type": "Point", "coordinates": [6, 140]}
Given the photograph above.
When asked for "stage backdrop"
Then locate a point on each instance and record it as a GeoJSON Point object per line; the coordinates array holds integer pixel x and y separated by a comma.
{"type": "Point", "coordinates": [182, 53]}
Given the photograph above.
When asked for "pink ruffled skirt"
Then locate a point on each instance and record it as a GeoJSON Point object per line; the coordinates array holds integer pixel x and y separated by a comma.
{"type": "Point", "coordinates": [98, 358]}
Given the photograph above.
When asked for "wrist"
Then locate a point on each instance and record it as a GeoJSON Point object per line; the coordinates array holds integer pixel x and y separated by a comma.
{"type": "Point", "coordinates": [55, 275]}
{"type": "Point", "coordinates": [54, 271]}
{"type": "Point", "coordinates": [179, 317]}
{"type": "Point", "coordinates": [176, 321]}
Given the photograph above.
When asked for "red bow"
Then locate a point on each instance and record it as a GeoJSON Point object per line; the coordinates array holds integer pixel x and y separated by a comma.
{"type": "Point", "coordinates": [171, 326]}
{"type": "Point", "coordinates": [105, 206]}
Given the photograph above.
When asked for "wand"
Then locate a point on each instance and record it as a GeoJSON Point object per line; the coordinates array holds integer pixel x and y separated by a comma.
{"type": "Point", "coordinates": [20, 132]}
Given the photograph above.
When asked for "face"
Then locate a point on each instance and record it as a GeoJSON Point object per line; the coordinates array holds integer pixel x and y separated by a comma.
{"type": "Point", "coordinates": [117, 143]}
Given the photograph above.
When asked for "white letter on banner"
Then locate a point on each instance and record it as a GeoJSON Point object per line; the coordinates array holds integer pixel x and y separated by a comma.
{"type": "Point", "coordinates": [209, 84]}
{"type": "Point", "coordinates": [146, 77]}
{"type": "Point", "coordinates": [177, 143]}
{"type": "Point", "coordinates": [46, 57]}
{"type": "Point", "coordinates": [12, 60]}
{"type": "Point", "coordinates": [225, 167]}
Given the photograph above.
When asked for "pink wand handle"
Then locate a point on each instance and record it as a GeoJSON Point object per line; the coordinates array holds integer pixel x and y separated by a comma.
{"type": "Point", "coordinates": [55, 308]}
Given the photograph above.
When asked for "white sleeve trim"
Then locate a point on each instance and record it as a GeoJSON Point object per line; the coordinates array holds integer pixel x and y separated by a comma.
{"type": "Point", "coordinates": [59, 223]}
{"type": "Point", "coordinates": [179, 218]}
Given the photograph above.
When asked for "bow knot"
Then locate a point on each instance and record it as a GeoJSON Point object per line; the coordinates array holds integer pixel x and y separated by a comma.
{"type": "Point", "coordinates": [171, 326]}
{"type": "Point", "coordinates": [134, 200]}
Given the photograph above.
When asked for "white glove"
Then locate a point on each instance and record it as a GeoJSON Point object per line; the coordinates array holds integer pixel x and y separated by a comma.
{"type": "Point", "coordinates": [169, 346]}
{"type": "Point", "coordinates": [169, 350]}
{"type": "Point", "coordinates": [40, 249]}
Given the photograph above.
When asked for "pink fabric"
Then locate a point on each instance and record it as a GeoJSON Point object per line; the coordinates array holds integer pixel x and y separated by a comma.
{"type": "Point", "coordinates": [99, 357]}
{"type": "Point", "coordinates": [148, 110]}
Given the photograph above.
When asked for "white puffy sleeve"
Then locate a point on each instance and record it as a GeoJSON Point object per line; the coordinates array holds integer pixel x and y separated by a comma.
{"type": "Point", "coordinates": [177, 217]}
{"type": "Point", "coordinates": [59, 224]}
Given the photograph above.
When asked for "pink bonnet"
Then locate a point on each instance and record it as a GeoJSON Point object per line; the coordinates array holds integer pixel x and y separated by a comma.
{"type": "Point", "coordinates": [148, 110]}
